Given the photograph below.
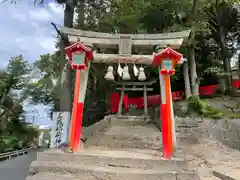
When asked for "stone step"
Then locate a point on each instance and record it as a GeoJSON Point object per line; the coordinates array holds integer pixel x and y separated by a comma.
{"type": "Point", "coordinates": [130, 122]}
{"type": "Point", "coordinates": [118, 144]}
{"type": "Point", "coordinates": [109, 142]}
{"type": "Point", "coordinates": [178, 153]}
{"type": "Point", "coordinates": [129, 137]}
{"type": "Point", "coordinates": [123, 139]}
{"type": "Point", "coordinates": [133, 137]}
{"type": "Point", "coordinates": [227, 173]}
{"type": "Point", "coordinates": [103, 157]}
{"type": "Point", "coordinates": [210, 178]}
{"type": "Point", "coordinates": [49, 176]}
{"type": "Point", "coordinates": [205, 173]}
{"type": "Point", "coordinates": [133, 117]}
{"type": "Point", "coordinates": [151, 137]}
{"type": "Point", "coordinates": [148, 131]}
{"type": "Point", "coordinates": [89, 172]}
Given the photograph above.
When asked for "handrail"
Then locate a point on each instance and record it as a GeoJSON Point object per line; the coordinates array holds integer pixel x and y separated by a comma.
{"type": "Point", "coordinates": [9, 155]}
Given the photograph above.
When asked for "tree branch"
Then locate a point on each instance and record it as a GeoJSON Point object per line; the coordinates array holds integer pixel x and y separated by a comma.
{"type": "Point", "coordinates": [58, 31]}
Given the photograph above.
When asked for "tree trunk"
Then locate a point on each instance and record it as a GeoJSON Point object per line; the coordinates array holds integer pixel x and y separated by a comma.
{"type": "Point", "coordinates": [226, 60]}
{"type": "Point", "coordinates": [186, 80]}
{"type": "Point", "coordinates": [66, 78]}
{"type": "Point", "coordinates": [223, 45]}
{"type": "Point", "coordinates": [193, 70]}
{"type": "Point", "coordinates": [81, 14]}
{"type": "Point", "coordinates": [238, 70]}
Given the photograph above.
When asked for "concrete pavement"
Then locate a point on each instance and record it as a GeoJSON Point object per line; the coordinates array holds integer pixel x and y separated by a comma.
{"type": "Point", "coordinates": [17, 168]}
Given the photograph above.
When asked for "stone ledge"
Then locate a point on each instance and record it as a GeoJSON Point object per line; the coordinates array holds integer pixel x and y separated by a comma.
{"type": "Point", "coordinates": [111, 172]}
{"type": "Point", "coordinates": [225, 131]}
{"type": "Point", "coordinates": [131, 121]}
{"type": "Point", "coordinates": [134, 159]}
{"type": "Point", "coordinates": [226, 175]}
{"type": "Point", "coordinates": [48, 176]}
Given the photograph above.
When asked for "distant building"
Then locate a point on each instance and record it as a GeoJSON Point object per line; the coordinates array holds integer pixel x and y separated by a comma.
{"type": "Point", "coordinates": [44, 135]}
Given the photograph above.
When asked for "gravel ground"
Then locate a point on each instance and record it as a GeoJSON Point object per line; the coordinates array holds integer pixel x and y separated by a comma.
{"type": "Point", "coordinates": [207, 155]}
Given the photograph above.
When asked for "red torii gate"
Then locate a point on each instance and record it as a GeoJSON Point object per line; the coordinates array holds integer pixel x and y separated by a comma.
{"type": "Point", "coordinates": [80, 57]}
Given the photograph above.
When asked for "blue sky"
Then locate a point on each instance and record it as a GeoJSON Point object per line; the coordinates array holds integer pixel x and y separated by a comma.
{"type": "Point", "coordinates": [26, 30]}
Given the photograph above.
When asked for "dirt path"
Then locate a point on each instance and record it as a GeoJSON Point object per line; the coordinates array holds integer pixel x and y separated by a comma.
{"type": "Point", "coordinates": [208, 155]}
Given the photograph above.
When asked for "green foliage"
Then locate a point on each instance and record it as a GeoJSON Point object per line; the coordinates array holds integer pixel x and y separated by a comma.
{"type": "Point", "coordinates": [47, 89]}
{"type": "Point", "coordinates": [216, 71]}
{"type": "Point", "coordinates": [18, 69]}
{"type": "Point", "coordinates": [144, 16]}
{"type": "Point", "coordinates": [203, 108]}
{"type": "Point", "coordinates": [14, 133]}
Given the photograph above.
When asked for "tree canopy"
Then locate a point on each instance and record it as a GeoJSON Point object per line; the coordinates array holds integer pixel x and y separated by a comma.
{"type": "Point", "coordinates": [213, 41]}
{"type": "Point", "coordinates": [215, 33]}
{"type": "Point", "coordinates": [15, 133]}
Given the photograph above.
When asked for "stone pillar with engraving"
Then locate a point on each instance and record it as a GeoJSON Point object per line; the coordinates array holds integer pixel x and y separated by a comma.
{"type": "Point", "coordinates": [59, 129]}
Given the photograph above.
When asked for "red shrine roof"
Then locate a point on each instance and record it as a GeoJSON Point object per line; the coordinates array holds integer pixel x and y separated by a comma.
{"type": "Point", "coordinates": [167, 53]}
{"type": "Point", "coordinates": [78, 47]}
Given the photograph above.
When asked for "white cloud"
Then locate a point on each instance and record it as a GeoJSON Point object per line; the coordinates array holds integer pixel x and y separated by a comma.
{"type": "Point", "coordinates": [48, 44]}
{"type": "Point", "coordinates": [48, 13]}
{"type": "Point", "coordinates": [57, 9]}
{"type": "Point", "coordinates": [20, 16]}
{"type": "Point", "coordinates": [26, 29]}
{"type": "Point", "coordinates": [40, 15]}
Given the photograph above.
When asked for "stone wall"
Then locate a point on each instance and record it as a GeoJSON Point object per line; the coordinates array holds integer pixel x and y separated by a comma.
{"type": "Point", "coordinates": [226, 105]}
{"type": "Point", "coordinates": [225, 131]}
{"type": "Point", "coordinates": [154, 113]}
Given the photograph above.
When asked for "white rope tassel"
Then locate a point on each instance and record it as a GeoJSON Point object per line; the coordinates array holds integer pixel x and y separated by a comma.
{"type": "Point", "coordinates": [109, 75]}
{"type": "Point", "coordinates": [135, 70]}
{"type": "Point", "coordinates": [126, 75]}
{"type": "Point", "coordinates": [142, 76]}
{"type": "Point", "coordinates": [119, 70]}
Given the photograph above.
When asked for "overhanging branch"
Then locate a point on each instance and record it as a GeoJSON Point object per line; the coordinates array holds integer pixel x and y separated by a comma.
{"type": "Point", "coordinates": [58, 31]}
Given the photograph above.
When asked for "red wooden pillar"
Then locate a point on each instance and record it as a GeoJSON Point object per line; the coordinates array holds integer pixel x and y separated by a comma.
{"type": "Point", "coordinates": [79, 56]}
{"type": "Point", "coordinates": [166, 60]}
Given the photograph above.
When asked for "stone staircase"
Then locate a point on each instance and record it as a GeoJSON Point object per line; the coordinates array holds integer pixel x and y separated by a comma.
{"type": "Point", "coordinates": [128, 149]}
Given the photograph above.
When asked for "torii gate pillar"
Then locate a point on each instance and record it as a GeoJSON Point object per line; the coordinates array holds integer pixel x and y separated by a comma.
{"type": "Point", "coordinates": [80, 57]}
{"type": "Point", "coordinates": [166, 61]}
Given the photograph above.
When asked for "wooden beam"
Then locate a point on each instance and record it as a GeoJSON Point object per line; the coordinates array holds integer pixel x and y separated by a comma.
{"type": "Point", "coordinates": [94, 35]}
{"type": "Point", "coordinates": [109, 40]}
{"type": "Point", "coordinates": [115, 58]}
{"type": "Point", "coordinates": [135, 89]}
{"type": "Point", "coordinates": [113, 43]}
{"type": "Point", "coordinates": [136, 83]}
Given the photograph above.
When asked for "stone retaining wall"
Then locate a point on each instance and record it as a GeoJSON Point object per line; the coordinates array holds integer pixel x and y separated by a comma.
{"type": "Point", "coordinates": [154, 113]}
{"type": "Point", "coordinates": [225, 131]}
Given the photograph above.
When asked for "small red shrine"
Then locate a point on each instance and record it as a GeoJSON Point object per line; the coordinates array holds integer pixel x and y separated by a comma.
{"type": "Point", "coordinates": [79, 55]}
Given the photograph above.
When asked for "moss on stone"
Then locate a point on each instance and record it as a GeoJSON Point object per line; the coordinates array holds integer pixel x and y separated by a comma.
{"type": "Point", "coordinates": [203, 108]}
